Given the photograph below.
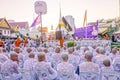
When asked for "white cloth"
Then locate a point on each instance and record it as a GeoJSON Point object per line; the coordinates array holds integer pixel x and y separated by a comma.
{"type": "Point", "coordinates": [56, 59]}
{"type": "Point", "coordinates": [88, 67]}
{"type": "Point", "coordinates": [106, 69]}
{"type": "Point", "coordinates": [29, 63]}
{"type": "Point", "coordinates": [100, 58]}
{"type": "Point", "coordinates": [74, 60]}
{"type": "Point", "coordinates": [10, 66]}
{"type": "Point", "coordinates": [3, 58]}
{"type": "Point", "coordinates": [45, 66]}
{"type": "Point", "coordinates": [65, 67]}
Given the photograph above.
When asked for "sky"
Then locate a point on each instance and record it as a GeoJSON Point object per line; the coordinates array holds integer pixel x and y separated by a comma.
{"type": "Point", "coordinates": [23, 10]}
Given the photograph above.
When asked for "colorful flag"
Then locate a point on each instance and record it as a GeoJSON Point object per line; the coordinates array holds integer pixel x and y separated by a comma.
{"type": "Point", "coordinates": [36, 21]}
{"type": "Point", "coordinates": [85, 19]}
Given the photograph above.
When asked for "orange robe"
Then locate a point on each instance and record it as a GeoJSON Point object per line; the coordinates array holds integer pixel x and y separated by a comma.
{"type": "Point", "coordinates": [2, 44]}
{"type": "Point", "coordinates": [107, 37]}
{"type": "Point", "coordinates": [61, 42]}
{"type": "Point", "coordinates": [18, 42]}
{"type": "Point", "coordinates": [25, 43]}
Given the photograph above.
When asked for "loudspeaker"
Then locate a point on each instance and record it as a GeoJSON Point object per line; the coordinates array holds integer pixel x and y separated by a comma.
{"type": "Point", "coordinates": [58, 35]}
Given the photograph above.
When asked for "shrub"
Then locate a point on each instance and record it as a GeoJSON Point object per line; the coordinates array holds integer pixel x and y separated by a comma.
{"type": "Point", "coordinates": [71, 44]}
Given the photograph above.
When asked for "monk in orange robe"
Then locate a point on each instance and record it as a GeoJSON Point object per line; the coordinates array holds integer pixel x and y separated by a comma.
{"type": "Point", "coordinates": [26, 42]}
{"type": "Point", "coordinates": [18, 42]}
{"type": "Point", "coordinates": [61, 42]}
{"type": "Point", "coordinates": [48, 38]}
{"type": "Point", "coordinates": [2, 44]}
{"type": "Point", "coordinates": [106, 37]}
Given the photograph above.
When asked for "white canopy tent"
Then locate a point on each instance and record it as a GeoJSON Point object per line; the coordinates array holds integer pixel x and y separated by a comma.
{"type": "Point", "coordinates": [34, 33]}
{"type": "Point", "coordinates": [23, 31]}
{"type": "Point", "coordinates": [118, 32]}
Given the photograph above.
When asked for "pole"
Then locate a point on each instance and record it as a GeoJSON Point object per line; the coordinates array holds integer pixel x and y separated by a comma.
{"type": "Point", "coordinates": [41, 27]}
{"type": "Point", "coordinates": [86, 24]}
{"type": "Point", "coordinates": [119, 8]}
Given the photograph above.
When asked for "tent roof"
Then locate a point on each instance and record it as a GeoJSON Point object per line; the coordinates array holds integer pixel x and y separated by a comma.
{"type": "Point", "coordinates": [118, 32]}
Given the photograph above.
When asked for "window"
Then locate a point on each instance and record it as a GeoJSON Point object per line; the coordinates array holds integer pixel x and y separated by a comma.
{"type": "Point", "coordinates": [4, 31]}
{"type": "Point", "coordinates": [8, 32]}
{"type": "Point", "coordinates": [0, 32]}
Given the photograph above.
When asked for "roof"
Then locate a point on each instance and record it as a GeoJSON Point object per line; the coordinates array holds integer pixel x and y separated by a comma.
{"type": "Point", "coordinates": [4, 24]}
{"type": "Point", "coordinates": [118, 32]}
{"type": "Point", "coordinates": [20, 24]}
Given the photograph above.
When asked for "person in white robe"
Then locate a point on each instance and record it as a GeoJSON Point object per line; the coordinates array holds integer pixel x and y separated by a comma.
{"type": "Point", "coordinates": [107, 67]}
{"type": "Point", "coordinates": [100, 57]}
{"type": "Point", "coordinates": [46, 66]}
{"type": "Point", "coordinates": [66, 67]}
{"type": "Point", "coordinates": [116, 63]}
{"type": "Point", "coordinates": [20, 56]}
{"type": "Point", "coordinates": [3, 56]}
{"type": "Point", "coordinates": [108, 70]}
{"type": "Point", "coordinates": [74, 60]}
{"type": "Point", "coordinates": [113, 53]}
{"type": "Point", "coordinates": [88, 65]}
{"type": "Point", "coordinates": [28, 51]}
{"type": "Point", "coordinates": [11, 66]}
{"type": "Point", "coordinates": [56, 57]}
{"type": "Point", "coordinates": [47, 54]}
{"type": "Point", "coordinates": [28, 64]}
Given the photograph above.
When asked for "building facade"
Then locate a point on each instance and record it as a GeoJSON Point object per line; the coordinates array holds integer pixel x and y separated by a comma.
{"type": "Point", "coordinates": [5, 28]}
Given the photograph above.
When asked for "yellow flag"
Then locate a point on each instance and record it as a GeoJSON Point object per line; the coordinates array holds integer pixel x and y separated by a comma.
{"type": "Point", "coordinates": [85, 19]}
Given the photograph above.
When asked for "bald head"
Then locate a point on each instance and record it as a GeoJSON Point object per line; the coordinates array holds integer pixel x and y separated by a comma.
{"type": "Point", "coordinates": [45, 50]}
{"type": "Point", "coordinates": [17, 50]}
{"type": "Point", "coordinates": [14, 56]}
{"type": "Point", "coordinates": [114, 50]}
{"type": "Point", "coordinates": [29, 50]}
{"type": "Point", "coordinates": [4, 50]}
{"type": "Point", "coordinates": [65, 57]}
{"type": "Point", "coordinates": [41, 57]}
{"type": "Point", "coordinates": [107, 63]}
{"type": "Point", "coordinates": [57, 50]}
{"type": "Point", "coordinates": [101, 50]}
{"type": "Point", "coordinates": [88, 56]}
{"type": "Point", "coordinates": [39, 49]}
{"type": "Point", "coordinates": [70, 50]}
{"type": "Point", "coordinates": [86, 49]}
{"type": "Point", "coordinates": [97, 49]}
{"type": "Point", "coordinates": [31, 55]}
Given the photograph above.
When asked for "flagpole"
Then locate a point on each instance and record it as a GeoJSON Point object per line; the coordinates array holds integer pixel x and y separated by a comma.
{"type": "Point", "coordinates": [86, 24]}
{"type": "Point", "coordinates": [41, 25]}
{"type": "Point", "coordinates": [59, 18]}
{"type": "Point", "coordinates": [119, 8]}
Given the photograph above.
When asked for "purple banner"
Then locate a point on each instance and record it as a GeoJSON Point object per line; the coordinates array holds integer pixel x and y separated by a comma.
{"type": "Point", "coordinates": [91, 31]}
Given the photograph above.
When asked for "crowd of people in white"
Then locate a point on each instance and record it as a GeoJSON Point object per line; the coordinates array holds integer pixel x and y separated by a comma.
{"type": "Point", "coordinates": [87, 60]}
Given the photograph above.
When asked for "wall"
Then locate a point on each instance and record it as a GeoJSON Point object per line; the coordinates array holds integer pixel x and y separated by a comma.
{"type": "Point", "coordinates": [5, 32]}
